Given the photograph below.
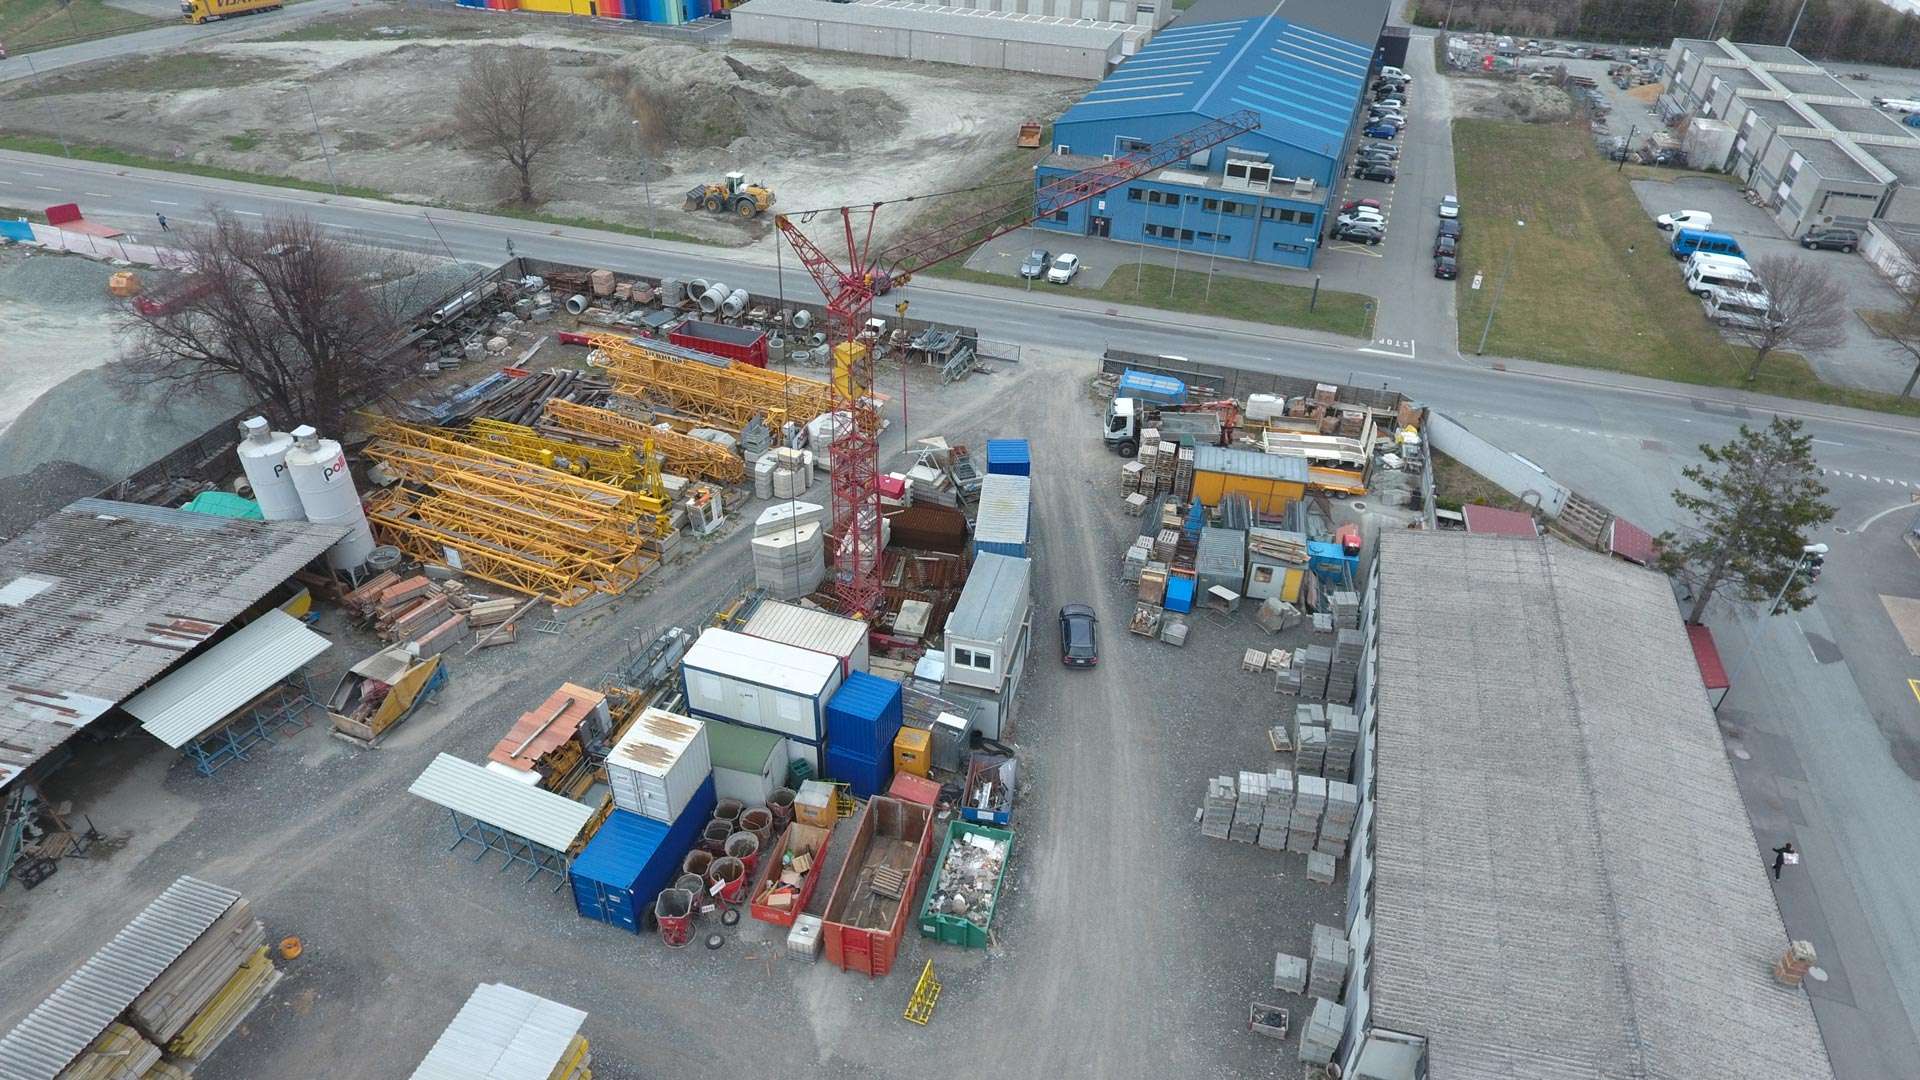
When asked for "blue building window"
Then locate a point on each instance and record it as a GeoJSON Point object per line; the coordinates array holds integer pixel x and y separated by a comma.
{"type": "Point", "coordinates": [1225, 206]}
{"type": "Point", "coordinates": [1060, 216]}
{"type": "Point", "coordinates": [1168, 232]}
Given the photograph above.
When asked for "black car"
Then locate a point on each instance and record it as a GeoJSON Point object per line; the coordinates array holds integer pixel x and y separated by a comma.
{"type": "Point", "coordinates": [1830, 239]}
{"type": "Point", "coordinates": [1360, 232]}
{"type": "Point", "coordinates": [1369, 170]}
{"type": "Point", "coordinates": [1450, 227]}
{"type": "Point", "coordinates": [1444, 266]}
{"type": "Point", "coordinates": [1446, 245]}
{"type": "Point", "coordinates": [1079, 646]}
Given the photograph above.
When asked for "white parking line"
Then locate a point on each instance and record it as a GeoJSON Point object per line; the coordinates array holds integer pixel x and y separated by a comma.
{"type": "Point", "coordinates": [45, 188]}
{"type": "Point", "coordinates": [163, 202]}
{"type": "Point", "coordinates": [250, 213]}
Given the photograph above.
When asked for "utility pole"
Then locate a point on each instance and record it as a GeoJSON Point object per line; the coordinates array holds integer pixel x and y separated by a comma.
{"type": "Point", "coordinates": [53, 120]}
{"type": "Point", "coordinates": [1632, 130]}
{"type": "Point", "coordinates": [1713, 25]}
{"type": "Point", "coordinates": [1219, 215]}
{"type": "Point", "coordinates": [1795, 28]}
{"type": "Point", "coordinates": [324, 152]}
{"type": "Point", "coordinates": [1498, 287]}
{"type": "Point", "coordinates": [1178, 231]}
{"type": "Point", "coordinates": [646, 186]}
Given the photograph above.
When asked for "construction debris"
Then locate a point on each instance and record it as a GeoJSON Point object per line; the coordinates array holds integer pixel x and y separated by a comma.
{"type": "Point", "coordinates": [969, 878]}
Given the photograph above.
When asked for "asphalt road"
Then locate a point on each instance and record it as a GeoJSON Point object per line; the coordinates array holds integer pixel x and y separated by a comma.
{"type": "Point", "coordinates": [161, 39]}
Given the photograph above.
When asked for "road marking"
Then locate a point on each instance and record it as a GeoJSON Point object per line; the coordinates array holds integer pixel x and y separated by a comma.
{"type": "Point", "coordinates": [1828, 442]}
{"type": "Point", "coordinates": [25, 172]}
{"type": "Point", "coordinates": [9, 183]}
{"type": "Point", "coordinates": [1383, 352]}
{"type": "Point", "coordinates": [163, 202]}
{"type": "Point", "coordinates": [1863, 476]}
{"type": "Point", "coordinates": [1863, 526]}
{"type": "Point", "coordinates": [95, 195]}
{"type": "Point", "coordinates": [1914, 685]}
{"type": "Point", "coordinates": [250, 213]}
{"type": "Point", "coordinates": [42, 187]}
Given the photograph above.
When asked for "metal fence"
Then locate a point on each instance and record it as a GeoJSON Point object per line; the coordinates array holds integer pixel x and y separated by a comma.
{"type": "Point", "coordinates": [1235, 383]}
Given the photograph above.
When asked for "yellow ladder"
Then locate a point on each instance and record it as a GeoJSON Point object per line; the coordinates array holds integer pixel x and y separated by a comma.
{"type": "Point", "coordinates": [844, 804]}
{"type": "Point", "coordinates": [926, 993]}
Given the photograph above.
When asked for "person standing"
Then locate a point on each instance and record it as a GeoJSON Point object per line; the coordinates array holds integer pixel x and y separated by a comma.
{"type": "Point", "coordinates": [163, 222]}
{"type": "Point", "coordinates": [1783, 855]}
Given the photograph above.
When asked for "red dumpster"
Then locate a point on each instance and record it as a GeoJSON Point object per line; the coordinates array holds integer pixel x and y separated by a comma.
{"type": "Point", "coordinates": [776, 899]}
{"type": "Point", "coordinates": [718, 339]}
{"type": "Point", "coordinates": [864, 920]}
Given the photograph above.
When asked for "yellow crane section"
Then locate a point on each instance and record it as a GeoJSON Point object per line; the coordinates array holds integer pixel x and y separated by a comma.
{"type": "Point", "coordinates": [723, 396]}
{"type": "Point", "coordinates": [684, 454]}
{"type": "Point", "coordinates": [455, 531]}
{"type": "Point", "coordinates": [619, 467]}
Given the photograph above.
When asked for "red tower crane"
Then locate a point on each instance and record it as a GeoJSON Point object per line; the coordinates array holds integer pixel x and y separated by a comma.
{"type": "Point", "coordinates": [850, 289]}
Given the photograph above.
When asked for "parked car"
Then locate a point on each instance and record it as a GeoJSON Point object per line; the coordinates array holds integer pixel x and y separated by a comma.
{"type": "Point", "coordinates": [1386, 148]}
{"type": "Point", "coordinates": [1355, 204]}
{"type": "Point", "coordinates": [1449, 206]}
{"type": "Point", "coordinates": [1684, 219]}
{"type": "Point", "coordinates": [1388, 102]}
{"type": "Point", "coordinates": [1391, 72]}
{"type": "Point", "coordinates": [1829, 238]}
{"type": "Point", "coordinates": [1373, 157]}
{"type": "Point", "coordinates": [1370, 170]}
{"type": "Point", "coordinates": [1395, 118]}
{"type": "Point", "coordinates": [1446, 245]}
{"type": "Point", "coordinates": [1558, 51]}
{"type": "Point", "coordinates": [1036, 263]}
{"type": "Point", "coordinates": [1364, 218]}
{"type": "Point", "coordinates": [1445, 266]}
{"type": "Point", "coordinates": [1450, 227]}
{"type": "Point", "coordinates": [1063, 269]}
{"type": "Point", "coordinates": [1360, 232]}
{"type": "Point", "coordinates": [1079, 644]}
{"type": "Point", "coordinates": [1381, 131]}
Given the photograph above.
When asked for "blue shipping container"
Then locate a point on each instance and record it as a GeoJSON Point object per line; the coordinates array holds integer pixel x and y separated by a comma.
{"type": "Point", "coordinates": [632, 858]}
{"type": "Point", "coordinates": [1009, 457]}
{"type": "Point", "coordinates": [863, 775]}
{"type": "Point", "coordinates": [864, 715]}
{"type": "Point", "coordinates": [1164, 389]}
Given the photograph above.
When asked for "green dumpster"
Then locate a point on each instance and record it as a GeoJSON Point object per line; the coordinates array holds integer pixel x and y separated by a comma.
{"type": "Point", "coordinates": [964, 886]}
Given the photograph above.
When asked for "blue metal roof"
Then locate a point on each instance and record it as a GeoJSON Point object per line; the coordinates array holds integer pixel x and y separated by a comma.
{"type": "Point", "coordinates": [1304, 83]}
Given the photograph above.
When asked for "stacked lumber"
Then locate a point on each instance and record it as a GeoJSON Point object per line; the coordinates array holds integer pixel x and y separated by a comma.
{"type": "Point", "coordinates": [1278, 545]}
{"type": "Point", "coordinates": [191, 983]}
{"type": "Point", "coordinates": [360, 603]}
{"type": "Point", "coordinates": [118, 1054]}
{"type": "Point", "coordinates": [248, 987]}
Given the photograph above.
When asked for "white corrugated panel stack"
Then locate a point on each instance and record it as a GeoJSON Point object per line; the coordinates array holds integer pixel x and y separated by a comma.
{"type": "Point", "coordinates": [658, 764]}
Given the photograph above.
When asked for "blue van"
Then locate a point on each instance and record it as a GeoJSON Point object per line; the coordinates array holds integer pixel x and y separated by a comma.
{"type": "Point", "coordinates": [1688, 241]}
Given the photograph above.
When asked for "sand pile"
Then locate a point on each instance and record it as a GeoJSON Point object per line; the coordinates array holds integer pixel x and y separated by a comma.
{"type": "Point", "coordinates": [699, 99]}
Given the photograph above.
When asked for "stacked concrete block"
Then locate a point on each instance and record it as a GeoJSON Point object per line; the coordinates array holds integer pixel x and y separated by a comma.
{"type": "Point", "coordinates": [1310, 750]}
{"type": "Point", "coordinates": [1323, 622]}
{"type": "Point", "coordinates": [1251, 809]}
{"type": "Point", "coordinates": [1325, 1028]}
{"type": "Point", "coordinates": [1322, 867]}
{"type": "Point", "coordinates": [1136, 560]}
{"type": "Point", "coordinates": [1336, 821]}
{"type": "Point", "coordinates": [1279, 810]}
{"type": "Point", "coordinates": [1313, 662]}
{"type": "Point", "coordinates": [1344, 670]}
{"type": "Point", "coordinates": [1327, 963]}
{"type": "Point", "coordinates": [1289, 973]}
{"type": "Point", "coordinates": [1216, 817]}
{"type": "Point", "coordinates": [1309, 802]}
{"type": "Point", "coordinates": [1346, 610]}
{"type": "Point", "coordinates": [1343, 740]}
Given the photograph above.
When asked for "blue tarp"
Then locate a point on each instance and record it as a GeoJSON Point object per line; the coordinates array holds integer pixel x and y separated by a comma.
{"type": "Point", "coordinates": [16, 230]}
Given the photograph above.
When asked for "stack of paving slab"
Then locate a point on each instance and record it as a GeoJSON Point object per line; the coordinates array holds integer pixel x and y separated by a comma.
{"type": "Point", "coordinates": [1325, 1028]}
{"type": "Point", "coordinates": [1313, 661]}
{"type": "Point", "coordinates": [1343, 739]}
{"type": "Point", "coordinates": [1336, 823]}
{"type": "Point", "coordinates": [1289, 973]}
{"type": "Point", "coordinates": [1345, 668]}
{"type": "Point", "coordinates": [1346, 610]}
{"type": "Point", "coordinates": [1216, 816]}
{"type": "Point", "coordinates": [1323, 622]}
{"type": "Point", "coordinates": [1136, 560]}
{"type": "Point", "coordinates": [1279, 810]}
{"type": "Point", "coordinates": [1327, 963]}
{"type": "Point", "coordinates": [1309, 802]}
{"type": "Point", "coordinates": [789, 561]}
{"type": "Point", "coordinates": [1310, 740]}
{"type": "Point", "coordinates": [1251, 809]}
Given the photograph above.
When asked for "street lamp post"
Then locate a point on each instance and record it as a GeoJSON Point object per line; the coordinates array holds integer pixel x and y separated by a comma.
{"type": "Point", "coordinates": [646, 186]}
{"type": "Point", "coordinates": [1807, 553]}
{"type": "Point", "coordinates": [53, 121]}
{"type": "Point", "coordinates": [1498, 288]}
{"type": "Point", "coordinates": [325, 153]}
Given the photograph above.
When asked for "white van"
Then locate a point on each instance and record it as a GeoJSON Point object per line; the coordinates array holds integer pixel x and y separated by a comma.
{"type": "Point", "coordinates": [1707, 273]}
{"type": "Point", "coordinates": [1748, 310]}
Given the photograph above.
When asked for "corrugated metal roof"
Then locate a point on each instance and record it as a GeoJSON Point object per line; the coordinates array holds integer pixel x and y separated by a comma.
{"type": "Point", "coordinates": [1220, 553]}
{"type": "Point", "coordinates": [550, 820]}
{"type": "Point", "coordinates": [212, 686]}
{"type": "Point", "coordinates": [806, 628]}
{"type": "Point", "coordinates": [768, 663]}
{"type": "Point", "coordinates": [75, 1014]}
{"type": "Point", "coordinates": [738, 747]}
{"type": "Point", "coordinates": [993, 600]}
{"type": "Point", "coordinates": [1250, 463]}
{"type": "Point", "coordinates": [1607, 912]}
{"type": "Point", "coordinates": [131, 589]}
{"type": "Point", "coordinates": [502, 1033]}
{"type": "Point", "coordinates": [1006, 509]}
{"type": "Point", "coordinates": [865, 697]}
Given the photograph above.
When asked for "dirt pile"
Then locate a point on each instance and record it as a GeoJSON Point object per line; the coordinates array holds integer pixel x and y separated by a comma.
{"type": "Point", "coordinates": [1491, 99]}
{"type": "Point", "coordinates": [689, 99]}
{"type": "Point", "coordinates": [68, 282]}
{"type": "Point", "coordinates": [47, 487]}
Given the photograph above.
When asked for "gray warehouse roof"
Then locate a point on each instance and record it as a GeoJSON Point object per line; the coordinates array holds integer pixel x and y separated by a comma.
{"type": "Point", "coordinates": [1773, 54]}
{"type": "Point", "coordinates": [965, 22]}
{"type": "Point", "coordinates": [1703, 47]}
{"type": "Point", "coordinates": [1829, 159]}
{"type": "Point", "coordinates": [99, 598]}
{"type": "Point", "coordinates": [1862, 119]}
{"type": "Point", "coordinates": [1812, 83]}
{"type": "Point", "coordinates": [1777, 113]}
{"type": "Point", "coordinates": [1902, 161]}
{"type": "Point", "coordinates": [1566, 882]}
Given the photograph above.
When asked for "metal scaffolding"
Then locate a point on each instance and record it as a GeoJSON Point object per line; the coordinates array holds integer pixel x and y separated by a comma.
{"type": "Point", "coordinates": [282, 708]}
{"type": "Point", "coordinates": [684, 454]}
{"type": "Point", "coordinates": [727, 397]}
{"type": "Point", "coordinates": [517, 849]}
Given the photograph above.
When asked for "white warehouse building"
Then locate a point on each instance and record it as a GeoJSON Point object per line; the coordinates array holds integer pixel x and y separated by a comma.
{"type": "Point", "coordinates": [1053, 37]}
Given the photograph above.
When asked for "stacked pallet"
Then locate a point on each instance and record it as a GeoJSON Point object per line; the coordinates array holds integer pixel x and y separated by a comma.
{"type": "Point", "coordinates": [1135, 562]}
{"type": "Point", "coordinates": [1166, 462]}
{"type": "Point", "coordinates": [1343, 739]}
{"type": "Point", "coordinates": [1289, 973]}
{"type": "Point", "coordinates": [1346, 610]}
{"type": "Point", "coordinates": [1217, 814]}
{"type": "Point", "coordinates": [1344, 670]}
{"type": "Point", "coordinates": [1166, 544]}
{"type": "Point", "coordinates": [1130, 476]}
{"type": "Point", "coordinates": [1250, 811]}
{"type": "Point", "coordinates": [118, 1054]}
{"type": "Point", "coordinates": [1323, 622]}
{"type": "Point", "coordinates": [1309, 802]}
{"type": "Point", "coordinates": [1279, 810]}
{"type": "Point", "coordinates": [1336, 825]}
{"type": "Point", "coordinates": [1325, 1028]}
{"type": "Point", "coordinates": [1328, 962]}
{"type": "Point", "coordinates": [1183, 473]}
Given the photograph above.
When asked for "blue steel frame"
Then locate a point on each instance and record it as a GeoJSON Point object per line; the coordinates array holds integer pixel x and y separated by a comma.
{"type": "Point", "coordinates": [282, 708]}
{"type": "Point", "coordinates": [516, 848]}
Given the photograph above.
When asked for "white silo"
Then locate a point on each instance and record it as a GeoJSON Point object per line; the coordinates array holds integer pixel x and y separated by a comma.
{"type": "Point", "coordinates": [263, 456]}
{"type": "Point", "coordinates": [319, 469]}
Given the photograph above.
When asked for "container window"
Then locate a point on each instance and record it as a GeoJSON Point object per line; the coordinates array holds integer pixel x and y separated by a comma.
{"type": "Point", "coordinates": [963, 657]}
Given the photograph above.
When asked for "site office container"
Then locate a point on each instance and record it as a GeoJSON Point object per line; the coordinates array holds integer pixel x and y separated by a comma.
{"type": "Point", "coordinates": [984, 629]}
{"type": "Point", "coordinates": [1009, 457]}
{"type": "Point", "coordinates": [862, 928]}
{"type": "Point", "coordinates": [958, 929]}
{"type": "Point", "coordinates": [762, 684]}
{"type": "Point", "coordinates": [747, 763]}
{"type": "Point", "coordinates": [837, 636]}
{"type": "Point", "coordinates": [799, 837]}
{"type": "Point", "coordinates": [1004, 523]}
{"type": "Point", "coordinates": [659, 764]}
{"type": "Point", "coordinates": [631, 858]}
{"type": "Point", "coordinates": [733, 342]}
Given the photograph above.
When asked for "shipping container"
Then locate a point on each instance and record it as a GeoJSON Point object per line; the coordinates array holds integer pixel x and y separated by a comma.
{"type": "Point", "coordinates": [1004, 523]}
{"type": "Point", "coordinates": [984, 629]}
{"type": "Point", "coordinates": [863, 927]}
{"type": "Point", "coordinates": [747, 763]}
{"type": "Point", "coordinates": [964, 930]}
{"type": "Point", "coordinates": [733, 342]}
{"type": "Point", "coordinates": [864, 776]}
{"type": "Point", "coordinates": [1009, 457]}
{"type": "Point", "coordinates": [810, 628]}
{"type": "Point", "coordinates": [864, 715]}
{"type": "Point", "coordinates": [806, 844]}
{"type": "Point", "coordinates": [659, 763]}
{"type": "Point", "coordinates": [631, 858]}
{"type": "Point", "coordinates": [1271, 482]}
{"type": "Point", "coordinates": [762, 684]}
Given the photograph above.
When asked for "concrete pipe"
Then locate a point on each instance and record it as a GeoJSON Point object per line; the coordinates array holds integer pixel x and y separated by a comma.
{"type": "Point", "coordinates": [776, 342]}
{"type": "Point", "coordinates": [802, 319]}
{"type": "Point", "coordinates": [577, 303]}
{"type": "Point", "coordinates": [800, 356]}
{"type": "Point", "coordinates": [737, 301]}
{"type": "Point", "coordinates": [715, 295]}
{"type": "Point", "coordinates": [819, 340]}
{"type": "Point", "coordinates": [696, 286]}
{"type": "Point", "coordinates": [822, 353]}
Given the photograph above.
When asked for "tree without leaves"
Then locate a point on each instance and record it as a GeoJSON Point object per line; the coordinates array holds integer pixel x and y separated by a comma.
{"type": "Point", "coordinates": [510, 106]}
{"type": "Point", "coordinates": [1902, 327]}
{"type": "Point", "coordinates": [1806, 309]}
{"type": "Point", "coordinates": [1757, 497]}
{"type": "Point", "coordinates": [292, 311]}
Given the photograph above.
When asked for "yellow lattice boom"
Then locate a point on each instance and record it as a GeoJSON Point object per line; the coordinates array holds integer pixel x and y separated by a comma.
{"type": "Point", "coordinates": [727, 396]}
{"type": "Point", "coordinates": [685, 455]}
{"type": "Point", "coordinates": [487, 546]}
{"type": "Point", "coordinates": [619, 467]}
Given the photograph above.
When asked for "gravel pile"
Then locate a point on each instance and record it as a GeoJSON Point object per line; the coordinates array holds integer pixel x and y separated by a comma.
{"type": "Point", "coordinates": [27, 498]}
{"type": "Point", "coordinates": [57, 281]}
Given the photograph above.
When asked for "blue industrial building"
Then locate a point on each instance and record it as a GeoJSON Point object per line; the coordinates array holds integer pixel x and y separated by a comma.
{"type": "Point", "coordinates": [1302, 65]}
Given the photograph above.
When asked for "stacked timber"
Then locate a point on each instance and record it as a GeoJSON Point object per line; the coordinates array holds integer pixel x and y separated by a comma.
{"type": "Point", "coordinates": [204, 995]}
{"type": "Point", "coordinates": [1278, 545]}
{"type": "Point", "coordinates": [118, 1054]}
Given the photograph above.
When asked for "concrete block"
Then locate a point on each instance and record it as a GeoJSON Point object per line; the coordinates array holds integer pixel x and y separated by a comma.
{"type": "Point", "coordinates": [1289, 973]}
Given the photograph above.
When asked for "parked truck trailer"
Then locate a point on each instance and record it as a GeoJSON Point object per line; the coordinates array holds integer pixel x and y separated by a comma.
{"type": "Point", "coordinates": [201, 11]}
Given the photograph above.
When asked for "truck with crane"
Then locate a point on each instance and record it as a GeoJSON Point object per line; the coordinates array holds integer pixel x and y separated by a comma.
{"type": "Point", "coordinates": [1144, 400]}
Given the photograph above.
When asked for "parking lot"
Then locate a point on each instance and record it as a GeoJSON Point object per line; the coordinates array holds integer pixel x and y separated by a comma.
{"type": "Point", "coordinates": [1864, 360]}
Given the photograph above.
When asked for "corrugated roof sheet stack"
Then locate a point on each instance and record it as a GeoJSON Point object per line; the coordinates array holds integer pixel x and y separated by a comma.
{"type": "Point", "coordinates": [1336, 825]}
{"type": "Point", "coordinates": [1251, 809]}
{"type": "Point", "coordinates": [201, 997]}
{"type": "Point", "coordinates": [1310, 739]}
{"type": "Point", "coordinates": [118, 1054]}
{"type": "Point", "coordinates": [1343, 738]}
{"type": "Point", "coordinates": [1309, 801]}
{"type": "Point", "coordinates": [1279, 810]}
{"type": "Point", "coordinates": [1321, 1038]}
{"type": "Point", "coordinates": [1313, 662]}
{"type": "Point", "coordinates": [1344, 668]}
{"type": "Point", "coordinates": [507, 1033]}
{"type": "Point", "coordinates": [1216, 816]}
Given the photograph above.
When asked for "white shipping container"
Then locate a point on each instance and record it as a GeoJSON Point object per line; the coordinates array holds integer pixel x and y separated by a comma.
{"type": "Point", "coordinates": [658, 764]}
{"type": "Point", "coordinates": [810, 628]}
{"type": "Point", "coordinates": [764, 684]}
